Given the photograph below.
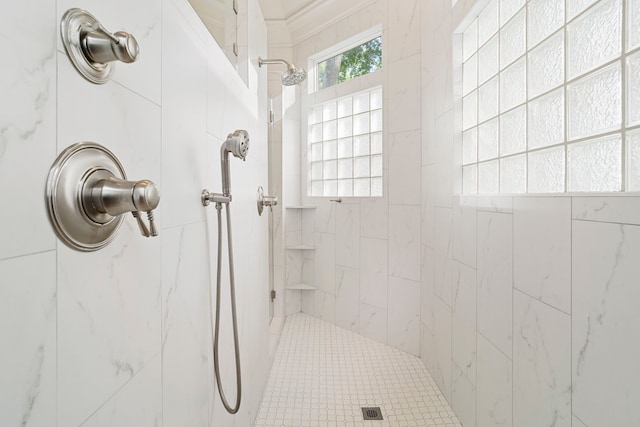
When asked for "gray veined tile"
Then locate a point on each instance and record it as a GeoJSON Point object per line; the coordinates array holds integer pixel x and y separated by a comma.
{"type": "Point", "coordinates": [542, 249]}
{"type": "Point", "coordinates": [495, 385]}
{"type": "Point", "coordinates": [495, 283]}
{"type": "Point", "coordinates": [464, 327]}
{"type": "Point", "coordinates": [604, 323]}
{"type": "Point", "coordinates": [28, 310]}
{"type": "Point", "coordinates": [541, 364]}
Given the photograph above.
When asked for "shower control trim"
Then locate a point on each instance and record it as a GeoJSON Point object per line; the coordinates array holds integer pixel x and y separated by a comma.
{"type": "Point", "coordinates": [92, 49]}
{"type": "Point", "coordinates": [265, 201]}
{"type": "Point", "coordinates": [87, 194]}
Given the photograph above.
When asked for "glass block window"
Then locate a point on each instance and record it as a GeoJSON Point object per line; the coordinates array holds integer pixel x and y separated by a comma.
{"type": "Point", "coordinates": [345, 146]}
{"type": "Point", "coordinates": [551, 97]}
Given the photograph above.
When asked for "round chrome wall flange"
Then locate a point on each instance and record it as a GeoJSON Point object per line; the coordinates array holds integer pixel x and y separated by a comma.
{"type": "Point", "coordinates": [73, 23]}
{"type": "Point", "coordinates": [74, 220]}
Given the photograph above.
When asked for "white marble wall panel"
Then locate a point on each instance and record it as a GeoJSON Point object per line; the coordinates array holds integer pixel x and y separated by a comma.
{"type": "Point", "coordinates": [444, 151]}
{"type": "Point", "coordinates": [495, 277]}
{"type": "Point", "coordinates": [325, 306]}
{"type": "Point", "coordinates": [427, 294]}
{"type": "Point", "coordinates": [348, 235]}
{"type": "Point", "coordinates": [325, 215]}
{"type": "Point", "coordinates": [428, 206]}
{"type": "Point", "coordinates": [503, 204]}
{"type": "Point", "coordinates": [494, 388]}
{"type": "Point", "coordinates": [348, 298]}
{"type": "Point", "coordinates": [404, 315]}
{"type": "Point", "coordinates": [373, 322]}
{"type": "Point", "coordinates": [325, 262]}
{"type": "Point", "coordinates": [577, 422]}
{"type": "Point", "coordinates": [427, 347]}
{"type": "Point", "coordinates": [621, 210]}
{"type": "Point", "coordinates": [28, 333]}
{"type": "Point", "coordinates": [184, 160]}
{"type": "Point", "coordinates": [441, 63]}
{"type": "Point", "coordinates": [541, 364]}
{"type": "Point", "coordinates": [404, 95]}
{"type": "Point", "coordinates": [442, 347]}
{"type": "Point", "coordinates": [101, 294]}
{"type": "Point", "coordinates": [186, 336]}
{"type": "Point", "coordinates": [135, 140]}
{"type": "Point", "coordinates": [27, 125]}
{"type": "Point", "coordinates": [464, 320]}
{"type": "Point", "coordinates": [404, 29]}
{"type": "Point", "coordinates": [463, 399]}
{"type": "Point", "coordinates": [542, 249]}
{"type": "Point", "coordinates": [139, 403]}
{"type": "Point", "coordinates": [308, 302]}
{"type": "Point", "coordinates": [605, 335]}
{"type": "Point", "coordinates": [374, 272]}
{"type": "Point", "coordinates": [442, 281]}
{"type": "Point", "coordinates": [464, 230]}
{"type": "Point", "coordinates": [404, 168]}
{"type": "Point", "coordinates": [374, 216]}
{"type": "Point", "coordinates": [404, 242]}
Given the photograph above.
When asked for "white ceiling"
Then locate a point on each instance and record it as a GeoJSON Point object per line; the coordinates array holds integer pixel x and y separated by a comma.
{"type": "Point", "coordinates": [283, 9]}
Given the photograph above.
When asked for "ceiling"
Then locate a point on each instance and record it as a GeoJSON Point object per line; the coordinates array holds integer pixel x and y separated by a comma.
{"type": "Point", "coordinates": [274, 10]}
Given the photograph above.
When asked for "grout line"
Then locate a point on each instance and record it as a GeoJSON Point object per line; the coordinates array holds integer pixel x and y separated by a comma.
{"type": "Point", "coordinates": [540, 301]}
{"type": "Point", "coordinates": [494, 346]}
{"type": "Point", "coordinates": [571, 308]}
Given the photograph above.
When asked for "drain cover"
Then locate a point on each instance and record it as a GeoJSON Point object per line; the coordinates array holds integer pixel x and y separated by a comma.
{"type": "Point", "coordinates": [372, 413]}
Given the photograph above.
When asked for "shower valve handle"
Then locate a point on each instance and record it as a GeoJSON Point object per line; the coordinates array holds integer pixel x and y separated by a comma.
{"type": "Point", "coordinates": [111, 196]}
{"type": "Point", "coordinates": [102, 46]}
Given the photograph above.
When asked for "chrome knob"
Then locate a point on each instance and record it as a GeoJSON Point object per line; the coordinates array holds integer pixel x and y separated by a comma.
{"type": "Point", "coordinates": [92, 49]}
{"type": "Point", "coordinates": [99, 45]}
{"type": "Point", "coordinates": [115, 196]}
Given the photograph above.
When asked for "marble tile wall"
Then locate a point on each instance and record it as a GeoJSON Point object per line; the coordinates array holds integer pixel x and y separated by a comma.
{"type": "Point", "coordinates": [121, 336]}
{"type": "Point", "coordinates": [535, 295]}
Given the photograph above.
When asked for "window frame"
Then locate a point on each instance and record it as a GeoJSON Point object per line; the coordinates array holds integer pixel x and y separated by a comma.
{"type": "Point", "coordinates": [338, 48]}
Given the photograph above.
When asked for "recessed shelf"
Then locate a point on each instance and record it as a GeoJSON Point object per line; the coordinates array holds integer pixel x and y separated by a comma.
{"type": "Point", "coordinates": [301, 287]}
{"type": "Point", "coordinates": [301, 207]}
{"type": "Point", "coordinates": [301, 247]}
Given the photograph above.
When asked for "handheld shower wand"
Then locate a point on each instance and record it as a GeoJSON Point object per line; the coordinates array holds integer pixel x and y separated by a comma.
{"type": "Point", "coordinates": [237, 143]}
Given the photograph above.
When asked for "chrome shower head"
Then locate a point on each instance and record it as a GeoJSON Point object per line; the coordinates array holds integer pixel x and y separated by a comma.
{"type": "Point", "coordinates": [293, 75]}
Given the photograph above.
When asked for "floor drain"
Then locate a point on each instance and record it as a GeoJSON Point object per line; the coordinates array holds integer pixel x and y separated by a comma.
{"type": "Point", "coordinates": [373, 413]}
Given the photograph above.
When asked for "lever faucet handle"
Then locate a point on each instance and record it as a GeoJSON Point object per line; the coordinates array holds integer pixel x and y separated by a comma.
{"type": "Point", "coordinates": [152, 224]}
{"type": "Point", "coordinates": [141, 225]}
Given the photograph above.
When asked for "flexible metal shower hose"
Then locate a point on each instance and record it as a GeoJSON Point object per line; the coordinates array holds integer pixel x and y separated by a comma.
{"type": "Point", "coordinates": [233, 314]}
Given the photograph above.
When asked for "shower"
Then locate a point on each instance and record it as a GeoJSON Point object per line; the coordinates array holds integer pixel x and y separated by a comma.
{"type": "Point", "coordinates": [293, 75]}
{"type": "Point", "coordinates": [237, 143]}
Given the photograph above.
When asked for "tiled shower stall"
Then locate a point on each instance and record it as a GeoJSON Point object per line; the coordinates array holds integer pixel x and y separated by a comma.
{"type": "Point", "coordinates": [520, 306]}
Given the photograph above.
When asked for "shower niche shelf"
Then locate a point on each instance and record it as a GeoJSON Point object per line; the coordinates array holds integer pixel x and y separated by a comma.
{"type": "Point", "coordinates": [301, 287]}
{"type": "Point", "coordinates": [301, 207]}
{"type": "Point", "coordinates": [301, 248]}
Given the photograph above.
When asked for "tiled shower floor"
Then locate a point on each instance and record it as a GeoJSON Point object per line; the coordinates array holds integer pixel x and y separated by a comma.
{"type": "Point", "coordinates": [322, 375]}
